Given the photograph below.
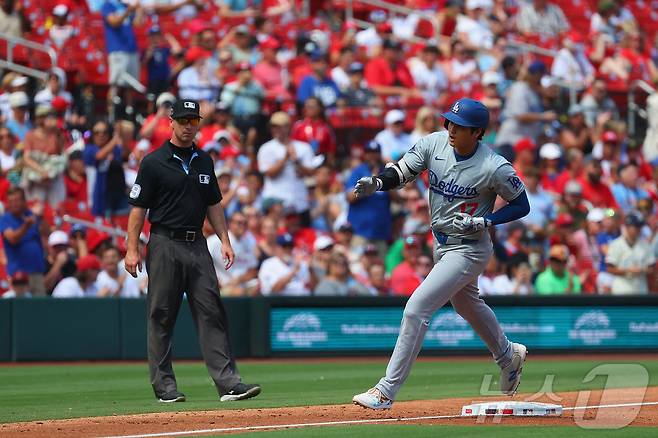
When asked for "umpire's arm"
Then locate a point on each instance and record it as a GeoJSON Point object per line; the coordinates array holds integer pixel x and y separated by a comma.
{"type": "Point", "coordinates": [218, 222]}
{"type": "Point", "coordinates": [132, 260]}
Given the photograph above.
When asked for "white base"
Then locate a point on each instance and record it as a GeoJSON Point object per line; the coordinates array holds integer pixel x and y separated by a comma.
{"type": "Point", "coordinates": [512, 408]}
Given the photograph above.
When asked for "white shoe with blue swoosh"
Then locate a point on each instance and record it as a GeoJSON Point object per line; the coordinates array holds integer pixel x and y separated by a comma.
{"type": "Point", "coordinates": [372, 399]}
{"type": "Point", "coordinates": [510, 376]}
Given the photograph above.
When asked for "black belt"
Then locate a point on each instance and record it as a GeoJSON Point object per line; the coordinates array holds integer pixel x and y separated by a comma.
{"type": "Point", "coordinates": [184, 235]}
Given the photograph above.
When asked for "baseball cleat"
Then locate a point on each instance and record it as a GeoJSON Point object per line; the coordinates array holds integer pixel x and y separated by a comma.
{"type": "Point", "coordinates": [241, 391]}
{"type": "Point", "coordinates": [510, 376]}
{"type": "Point", "coordinates": [172, 397]}
{"type": "Point", "coordinates": [373, 399]}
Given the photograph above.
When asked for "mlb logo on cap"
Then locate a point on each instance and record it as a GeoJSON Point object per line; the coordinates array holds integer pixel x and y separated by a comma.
{"type": "Point", "coordinates": [185, 109]}
{"type": "Point", "coordinates": [189, 105]}
{"type": "Point", "coordinates": [455, 107]}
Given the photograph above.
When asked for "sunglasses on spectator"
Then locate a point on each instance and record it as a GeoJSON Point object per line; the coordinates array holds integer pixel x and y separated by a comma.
{"type": "Point", "coordinates": [556, 260]}
{"type": "Point", "coordinates": [184, 122]}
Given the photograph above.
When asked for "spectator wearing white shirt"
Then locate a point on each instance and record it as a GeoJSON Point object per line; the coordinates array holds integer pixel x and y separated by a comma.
{"type": "Point", "coordinates": [112, 282]}
{"type": "Point", "coordinates": [541, 17]}
{"type": "Point", "coordinates": [393, 140]}
{"type": "Point", "coordinates": [630, 259]}
{"type": "Point", "coordinates": [242, 278]}
{"type": "Point", "coordinates": [428, 74]}
{"type": "Point", "coordinates": [285, 163]}
{"type": "Point", "coordinates": [20, 286]}
{"type": "Point", "coordinates": [571, 64]}
{"type": "Point", "coordinates": [198, 81]}
{"type": "Point", "coordinates": [60, 31]}
{"type": "Point", "coordinates": [55, 87]}
{"type": "Point", "coordinates": [83, 282]}
{"type": "Point", "coordinates": [473, 28]}
{"type": "Point", "coordinates": [340, 73]}
{"type": "Point", "coordinates": [285, 273]}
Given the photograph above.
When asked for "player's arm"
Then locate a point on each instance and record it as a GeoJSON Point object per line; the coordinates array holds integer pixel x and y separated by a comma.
{"type": "Point", "coordinates": [395, 175]}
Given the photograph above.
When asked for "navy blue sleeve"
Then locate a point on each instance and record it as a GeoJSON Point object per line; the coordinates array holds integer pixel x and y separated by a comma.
{"type": "Point", "coordinates": [515, 209]}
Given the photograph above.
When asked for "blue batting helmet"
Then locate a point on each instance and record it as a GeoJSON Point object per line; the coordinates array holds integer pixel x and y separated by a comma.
{"type": "Point", "coordinates": [467, 112]}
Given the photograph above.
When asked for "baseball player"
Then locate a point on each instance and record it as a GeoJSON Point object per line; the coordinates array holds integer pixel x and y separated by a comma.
{"type": "Point", "coordinates": [465, 177]}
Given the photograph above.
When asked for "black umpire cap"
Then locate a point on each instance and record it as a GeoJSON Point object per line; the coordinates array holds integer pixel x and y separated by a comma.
{"type": "Point", "coordinates": [185, 108]}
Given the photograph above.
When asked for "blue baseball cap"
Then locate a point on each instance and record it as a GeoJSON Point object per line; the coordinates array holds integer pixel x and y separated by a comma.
{"type": "Point", "coordinates": [373, 146]}
{"type": "Point", "coordinates": [537, 66]}
{"type": "Point", "coordinates": [467, 112]}
{"type": "Point", "coordinates": [155, 29]}
{"type": "Point", "coordinates": [284, 239]}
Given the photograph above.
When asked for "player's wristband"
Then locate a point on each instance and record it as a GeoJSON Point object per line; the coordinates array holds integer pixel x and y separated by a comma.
{"type": "Point", "coordinates": [379, 183]}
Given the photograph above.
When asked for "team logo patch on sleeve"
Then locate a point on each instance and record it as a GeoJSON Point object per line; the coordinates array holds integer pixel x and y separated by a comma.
{"type": "Point", "coordinates": [515, 182]}
{"type": "Point", "coordinates": [204, 179]}
{"type": "Point", "coordinates": [135, 191]}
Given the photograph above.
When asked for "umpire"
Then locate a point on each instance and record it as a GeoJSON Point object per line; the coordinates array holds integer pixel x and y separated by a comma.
{"type": "Point", "coordinates": [177, 184]}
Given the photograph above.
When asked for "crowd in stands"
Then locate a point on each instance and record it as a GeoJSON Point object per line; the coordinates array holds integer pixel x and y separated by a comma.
{"type": "Point", "coordinates": [298, 103]}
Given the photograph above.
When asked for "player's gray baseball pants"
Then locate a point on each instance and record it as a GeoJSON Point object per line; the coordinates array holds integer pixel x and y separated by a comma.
{"type": "Point", "coordinates": [453, 277]}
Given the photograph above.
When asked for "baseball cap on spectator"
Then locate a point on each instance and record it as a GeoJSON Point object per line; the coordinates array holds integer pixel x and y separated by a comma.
{"type": "Point", "coordinates": [224, 171]}
{"type": "Point", "coordinates": [43, 111]}
{"type": "Point", "coordinates": [343, 227]}
{"type": "Point", "coordinates": [573, 188]}
{"type": "Point", "coordinates": [196, 53]}
{"type": "Point", "coordinates": [268, 203]}
{"type": "Point", "coordinates": [185, 108]}
{"type": "Point", "coordinates": [378, 16]}
{"type": "Point", "coordinates": [270, 43]}
{"type": "Point", "coordinates": [537, 67]}
{"type": "Point", "coordinates": [280, 118]}
{"type": "Point", "coordinates": [392, 44]}
{"type": "Point", "coordinates": [633, 219]}
{"type": "Point", "coordinates": [222, 106]}
{"type": "Point", "coordinates": [490, 78]}
{"type": "Point", "coordinates": [18, 99]}
{"type": "Point", "coordinates": [550, 151]}
{"type": "Point", "coordinates": [610, 137]}
{"type": "Point", "coordinates": [564, 220]}
{"type": "Point", "coordinates": [154, 30]}
{"type": "Point", "coordinates": [58, 237]}
{"type": "Point", "coordinates": [559, 252]}
{"type": "Point", "coordinates": [59, 104]}
{"type": "Point", "coordinates": [20, 277]}
{"type": "Point", "coordinates": [322, 243]}
{"type": "Point", "coordinates": [243, 66]}
{"type": "Point", "coordinates": [525, 144]}
{"type": "Point", "coordinates": [242, 29]}
{"type": "Point", "coordinates": [143, 145]}
{"type": "Point", "coordinates": [88, 263]}
{"type": "Point", "coordinates": [94, 240]}
{"type": "Point", "coordinates": [60, 10]}
{"type": "Point", "coordinates": [165, 98]}
{"type": "Point", "coordinates": [212, 146]}
{"type": "Point", "coordinates": [394, 116]}
{"type": "Point", "coordinates": [596, 215]}
{"type": "Point", "coordinates": [370, 249]}
{"type": "Point", "coordinates": [19, 81]}
{"type": "Point", "coordinates": [373, 146]}
{"type": "Point", "coordinates": [318, 55]}
{"type": "Point", "coordinates": [355, 67]}
{"type": "Point", "coordinates": [576, 108]}
{"type": "Point", "coordinates": [548, 81]}
{"type": "Point", "coordinates": [222, 134]}
{"type": "Point", "coordinates": [229, 151]}
{"type": "Point", "coordinates": [384, 27]}
{"type": "Point", "coordinates": [411, 241]}
{"type": "Point", "coordinates": [284, 240]}
{"type": "Point", "coordinates": [77, 228]}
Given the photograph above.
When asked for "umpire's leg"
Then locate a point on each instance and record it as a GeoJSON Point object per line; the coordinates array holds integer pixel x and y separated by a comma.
{"type": "Point", "coordinates": [210, 317]}
{"type": "Point", "coordinates": [165, 293]}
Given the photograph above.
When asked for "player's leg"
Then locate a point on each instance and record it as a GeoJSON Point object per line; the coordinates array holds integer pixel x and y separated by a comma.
{"type": "Point", "coordinates": [450, 274]}
{"type": "Point", "coordinates": [509, 356]}
{"type": "Point", "coordinates": [165, 286]}
{"type": "Point", "coordinates": [211, 323]}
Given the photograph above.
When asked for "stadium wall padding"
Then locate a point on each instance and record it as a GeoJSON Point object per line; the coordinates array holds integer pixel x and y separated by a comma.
{"type": "Point", "coordinates": [46, 329]}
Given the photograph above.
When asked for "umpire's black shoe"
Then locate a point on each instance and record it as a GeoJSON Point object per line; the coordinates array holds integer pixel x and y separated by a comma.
{"type": "Point", "coordinates": [172, 397]}
{"type": "Point", "coordinates": [241, 391]}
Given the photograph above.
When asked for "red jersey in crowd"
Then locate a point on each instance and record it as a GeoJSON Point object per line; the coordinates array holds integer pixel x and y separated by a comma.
{"type": "Point", "coordinates": [161, 133]}
{"type": "Point", "coordinates": [404, 279]}
{"type": "Point", "coordinates": [317, 133]}
{"type": "Point", "coordinates": [380, 72]}
{"type": "Point", "coordinates": [599, 194]}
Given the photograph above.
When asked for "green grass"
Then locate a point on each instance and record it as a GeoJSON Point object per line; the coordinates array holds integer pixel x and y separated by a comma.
{"type": "Point", "coordinates": [66, 391]}
{"type": "Point", "coordinates": [416, 431]}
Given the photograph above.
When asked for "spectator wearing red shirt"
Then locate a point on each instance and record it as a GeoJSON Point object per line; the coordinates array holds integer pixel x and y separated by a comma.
{"type": "Point", "coordinates": [595, 191]}
{"type": "Point", "coordinates": [157, 127]}
{"type": "Point", "coordinates": [404, 278]}
{"type": "Point", "coordinates": [314, 130]}
{"type": "Point", "coordinates": [524, 156]}
{"type": "Point", "coordinates": [75, 179]}
{"type": "Point", "coordinates": [574, 170]}
{"type": "Point", "coordinates": [550, 154]}
{"type": "Point", "coordinates": [269, 72]}
{"type": "Point", "coordinates": [303, 237]}
{"type": "Point", "coordinates": [219, 120]}
{"type": "Point", "coordinates": [388, 74]}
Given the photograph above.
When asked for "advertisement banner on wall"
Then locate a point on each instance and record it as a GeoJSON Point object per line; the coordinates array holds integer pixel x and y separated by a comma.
{"type": "Point", "coordinates": [356, 328]}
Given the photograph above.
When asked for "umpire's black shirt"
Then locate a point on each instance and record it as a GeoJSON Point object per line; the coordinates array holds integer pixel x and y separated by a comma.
{"type": "Point", "coordinates": [177, 185]}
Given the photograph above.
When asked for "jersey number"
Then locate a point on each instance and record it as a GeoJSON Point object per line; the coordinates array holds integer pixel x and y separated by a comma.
{"type": "Point", "coordinates": [469, 207]}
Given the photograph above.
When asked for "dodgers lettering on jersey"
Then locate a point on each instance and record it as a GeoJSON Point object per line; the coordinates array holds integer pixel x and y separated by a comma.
{"type": "Point", "coordinates": [468, 186]}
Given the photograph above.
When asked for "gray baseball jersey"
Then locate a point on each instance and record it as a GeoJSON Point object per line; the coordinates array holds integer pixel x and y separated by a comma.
{"type": "Point", "coordinates": [468, 186]}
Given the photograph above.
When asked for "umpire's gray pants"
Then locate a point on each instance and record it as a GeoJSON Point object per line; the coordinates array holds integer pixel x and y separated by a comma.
{"type": "Point", "coordinates": [453, 277]}
{"type": "Point", "coordinates": [175, 267]}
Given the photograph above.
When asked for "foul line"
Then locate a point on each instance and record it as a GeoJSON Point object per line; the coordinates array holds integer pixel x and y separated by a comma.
{"type": "Point", "coordinates": [347, 422]}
